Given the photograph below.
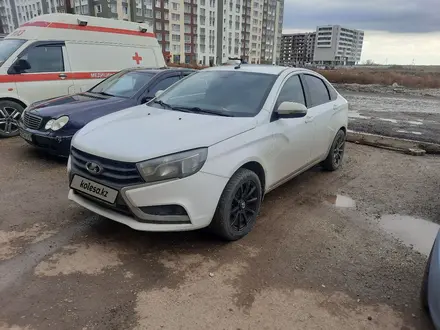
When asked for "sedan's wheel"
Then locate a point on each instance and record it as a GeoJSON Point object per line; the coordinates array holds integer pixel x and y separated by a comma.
{"type": "Point", "coordinates": [336, 153]}
{"type": "Point", "coordinates": [10, 114]}
{"type": "Point", "coordinates": [238, 207]}
{"type": "Point", "coordinates": [424, 288]}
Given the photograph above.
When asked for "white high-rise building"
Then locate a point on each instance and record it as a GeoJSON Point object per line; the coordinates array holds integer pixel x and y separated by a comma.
{"type": "Point", "coordinates": [206, 32]}
{"type": "Point", "coordinates": [337, 45]}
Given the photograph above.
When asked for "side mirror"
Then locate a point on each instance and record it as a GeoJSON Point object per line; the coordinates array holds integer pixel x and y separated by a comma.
{"type": "Point", "coordinates": [21, 65]}
{"type": "Point", "coordinates": [145, 99]}
{"type": "Point", "coordinates": [158, 93]}
{"type": "Point", "coordinates": [291, 110]}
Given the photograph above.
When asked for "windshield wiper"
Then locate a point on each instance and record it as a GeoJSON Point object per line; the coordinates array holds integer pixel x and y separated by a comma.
{"type": "Point", "coordinates": [103, 93]}
{"type": "Point", "coordinates": [169, 106]}
{"type": "Point", "coordinates": [209, 112]}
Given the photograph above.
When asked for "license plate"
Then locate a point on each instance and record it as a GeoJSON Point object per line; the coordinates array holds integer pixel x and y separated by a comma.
{"type": "Point", "coordinates": [94, 189]}
{"type": "Point", "coordinates": [26, 135]}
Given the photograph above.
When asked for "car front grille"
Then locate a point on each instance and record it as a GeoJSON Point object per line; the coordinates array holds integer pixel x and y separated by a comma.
{"type": "Point", "coordinates": [114, 174]}
{"type": "Point", "coordinates": [32, 121]}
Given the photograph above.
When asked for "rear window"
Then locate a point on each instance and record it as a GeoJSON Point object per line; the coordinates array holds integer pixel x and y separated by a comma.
{"type": "Point", "coordinates": [8, 47]}
{"type": "Point", "coordinates": [123, 84]}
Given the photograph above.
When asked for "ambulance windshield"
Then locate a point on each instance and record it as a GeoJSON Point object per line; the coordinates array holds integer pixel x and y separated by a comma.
{"type": "Point", "coordinates": [8, 47]}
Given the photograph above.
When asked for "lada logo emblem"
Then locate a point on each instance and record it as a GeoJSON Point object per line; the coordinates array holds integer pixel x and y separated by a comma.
{"type": "Point", "coordinates": [93, 168]}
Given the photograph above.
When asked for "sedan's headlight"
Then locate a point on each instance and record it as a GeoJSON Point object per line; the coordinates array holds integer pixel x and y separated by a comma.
{"type": "Point", "coordinates": [57, 124]}
{"type": "Point", "coordinates": [174, 166]}
{"type": "Point", "coordinates": [49, 124]}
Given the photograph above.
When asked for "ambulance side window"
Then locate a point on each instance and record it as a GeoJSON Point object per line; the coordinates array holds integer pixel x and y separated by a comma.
{"type": "Point", "coordinates": [44, 59]}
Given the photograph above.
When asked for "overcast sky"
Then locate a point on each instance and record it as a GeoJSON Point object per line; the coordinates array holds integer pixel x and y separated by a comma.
{"type": "Point", "coordinates": [396, 31]}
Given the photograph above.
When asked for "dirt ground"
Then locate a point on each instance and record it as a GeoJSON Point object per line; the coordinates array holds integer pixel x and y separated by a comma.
{"type": "Point", "coordinates": [342, 250]}
{"type": "Point", "coordinates": [412, 114]}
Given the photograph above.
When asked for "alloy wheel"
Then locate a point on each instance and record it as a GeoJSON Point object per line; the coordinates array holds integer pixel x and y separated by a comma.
{"type": "Point", "coordinates": [244, 205]}
{"type": "Point", "coordinates": [338, 151]}
{"type": "Point", "coordinates": [9, 118]}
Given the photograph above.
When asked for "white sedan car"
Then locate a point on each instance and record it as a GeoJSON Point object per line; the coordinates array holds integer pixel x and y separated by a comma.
{"type": "Point", "coordinates": [205, 151]}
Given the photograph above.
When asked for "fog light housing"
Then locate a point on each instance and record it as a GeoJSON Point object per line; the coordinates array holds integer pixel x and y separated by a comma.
{"type": "Point", "coordinates": [164, 210]}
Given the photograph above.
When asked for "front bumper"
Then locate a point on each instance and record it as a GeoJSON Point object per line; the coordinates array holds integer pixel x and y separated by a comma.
{"type": "Point", "coordinates": [197, 194]}
{"type": "Point", "coordinates": [48, 141]}
{"type": "Point", "coordinates": [433, 284]}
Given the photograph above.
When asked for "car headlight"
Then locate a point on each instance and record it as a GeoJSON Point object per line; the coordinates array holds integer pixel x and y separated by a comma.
{"type": "Point", "coordinates": [173, 166]}
{"type": "Point", "coordinates": [56, 124]}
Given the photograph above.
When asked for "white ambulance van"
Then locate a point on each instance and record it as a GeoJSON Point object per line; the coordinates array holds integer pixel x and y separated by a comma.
{"type": "Point", "coordinates": [61, 54]}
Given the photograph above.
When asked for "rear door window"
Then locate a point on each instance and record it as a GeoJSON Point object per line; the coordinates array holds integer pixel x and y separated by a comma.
{"type": "Point", "coordinates": [317, 89]}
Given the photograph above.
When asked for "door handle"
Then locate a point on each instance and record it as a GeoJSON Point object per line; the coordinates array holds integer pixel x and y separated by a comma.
{"type": "Point", "coordinates": [62, 75]}
{"type": "Point", "coordinates": [309, 119]}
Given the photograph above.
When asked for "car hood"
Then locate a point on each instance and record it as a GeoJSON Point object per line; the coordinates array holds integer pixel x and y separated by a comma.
{"type": "Point", "coordinates": [81, 108]}
{"type": "Point", "coordinates": [144, 132]}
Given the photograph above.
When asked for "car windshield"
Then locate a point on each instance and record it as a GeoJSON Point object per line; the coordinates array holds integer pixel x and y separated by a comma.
{"type": "Point", "coordinates": [8, 47]}
{"type": "Point", "coordinates": [229, 93]}
{"type": "Point", "coordinates": [123, 84]}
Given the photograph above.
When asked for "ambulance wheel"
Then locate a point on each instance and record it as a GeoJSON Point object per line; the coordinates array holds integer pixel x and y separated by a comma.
{"type": "Point", "coordinates": [10, 114]}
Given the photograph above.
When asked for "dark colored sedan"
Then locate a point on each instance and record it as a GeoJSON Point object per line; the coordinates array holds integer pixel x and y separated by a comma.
{"type": "Point", "coordinates": [51, 124]}
{"type": "Point", "coordinates": [431, 284]}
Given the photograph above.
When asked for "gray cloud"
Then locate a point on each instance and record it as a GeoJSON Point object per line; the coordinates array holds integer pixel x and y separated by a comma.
{"type": "Point", "coordinates": [401, 16]}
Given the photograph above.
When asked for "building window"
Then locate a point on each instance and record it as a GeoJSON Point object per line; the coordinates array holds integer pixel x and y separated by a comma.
{"type": "Point", "coordinates": [187, 48]}
{"type": "Point", "coordinates": [175, 37]}
{"type": "Point", "coordinates": [158, 26]}
{"type": "Point", "coordinates": [175, 27]}
{"type": "Point", "coordinates": [176, 6]}
{"type": "Point", "coordinates": [158, 15]}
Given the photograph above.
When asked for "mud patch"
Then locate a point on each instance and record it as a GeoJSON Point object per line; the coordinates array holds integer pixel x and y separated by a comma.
{"type": "Point", "coordinates": [12, 242]}
{"type": "Point", "coordinates": [4, 326]}
{"type": "Point", "coordinates": [341, 201]}
{"type": "Point", "coordinates": [91, 259]}
{"type": "Point", "coordinates": [204, 298]}
{"type": "Point", "coordinates": [417, 233]}
{"type": "Point", "coordinates": [271, 309]}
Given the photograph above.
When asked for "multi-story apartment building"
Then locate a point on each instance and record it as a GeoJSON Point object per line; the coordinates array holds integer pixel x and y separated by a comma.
{"type": "Point", "coordinates": [336, 45]}
{"type": "Point", "coordinates": [207, 32]}
{"type": "Point", "coordinates": [229, 35]}
{"type": "Point", "coordinates": [298, 48]}
{"type": "Point", "coordinates": [271, 31]}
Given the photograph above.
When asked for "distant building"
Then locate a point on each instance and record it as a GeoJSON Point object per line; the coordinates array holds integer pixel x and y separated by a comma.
{"type": "Point", "coordinates": [336, 45]}
{"type": "Point", "coordinates": [206, 32]}
{"type": "Point", "coordinates": [297, 48]}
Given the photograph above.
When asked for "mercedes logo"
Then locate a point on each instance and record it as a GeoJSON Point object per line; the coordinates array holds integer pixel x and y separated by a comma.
{"type": "Point", "coordinates": [93, 168]}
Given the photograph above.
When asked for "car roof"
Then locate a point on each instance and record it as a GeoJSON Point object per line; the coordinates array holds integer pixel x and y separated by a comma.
{"type": "Point", "coordinates": [259, 68]}
{"type": "Point", "coordinates": [159, 70]}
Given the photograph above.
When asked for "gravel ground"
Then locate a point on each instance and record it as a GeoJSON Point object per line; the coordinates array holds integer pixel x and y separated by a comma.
{"type": "Point", "coordinates": [319, 257]}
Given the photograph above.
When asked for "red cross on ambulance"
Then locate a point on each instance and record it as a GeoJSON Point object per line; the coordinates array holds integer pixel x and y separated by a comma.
{"type": "Point", "coordinates": [137, 58]}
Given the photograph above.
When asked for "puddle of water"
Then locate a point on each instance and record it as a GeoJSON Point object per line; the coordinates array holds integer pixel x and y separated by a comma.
{"type": "Point", "coordinates": [341, 201]}
{"type": "Point", "coordinates": [353, 114]}
{"type": "Point", "coordinates": [411, 231]}
{"type": "Point", "coordinates": [412, 132]}
{"type": "Point", "coordinates": [413, 122]}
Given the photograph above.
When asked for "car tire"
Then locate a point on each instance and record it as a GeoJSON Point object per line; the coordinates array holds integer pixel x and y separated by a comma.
{"type": "Point", "coordinates": [336, 154]}
{"type": "Point", "coordinates": [10, 114]}
{"type": "Point", "coordinates": [238, 206]}
{"type": "Point", "coordinates": [424, 288]}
